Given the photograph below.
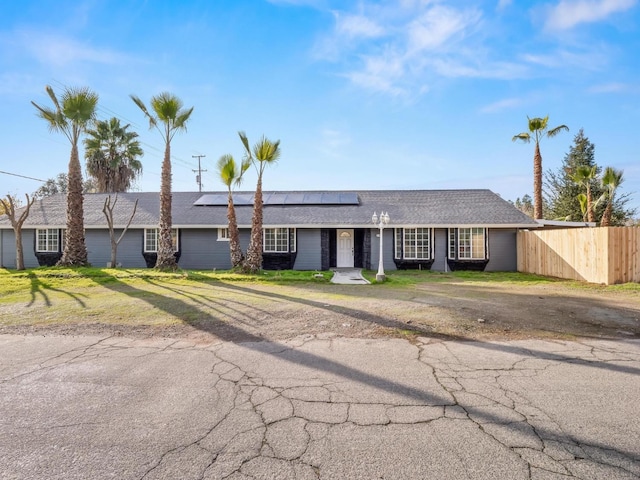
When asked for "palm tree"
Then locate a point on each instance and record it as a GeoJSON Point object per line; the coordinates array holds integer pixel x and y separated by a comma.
{"type": "Point", "coordinates": [111, 152]}
{"type": "Point", "coordinates": [72, 115]}
{"type": "Point", "coordinates": [265, 152]}
{"type": "Point", "coordinates": [584, 175]}
{"type": "Point", "coordinates": [611, 180]}
{"type": "Point", "coordinates": [537, 130]}
{"type": "Point", "coordinates": [167, 116]}
{"type": "Point", "coordinates": [231, 174]}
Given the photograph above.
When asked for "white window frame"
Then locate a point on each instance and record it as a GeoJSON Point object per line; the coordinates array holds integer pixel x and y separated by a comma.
{"type": "Point", "coordinates": [223, 235]}
{"type": "Point", "coordinates": [452, 243]}
{"type": "Point", "coordinates": [415, 243]}
{"type": "Point", "coordinates": [464, 243]}
{"type": "Point", "coordinates": [278, 246]}
{"type": "Point", "coordinates": [152, 233]}
{"type": "Point", "coordinates": [397, 235]}
{"type": "Point", "coordinates": [52, 241]}
{"type": "Point", "coordinates": [400, 245]}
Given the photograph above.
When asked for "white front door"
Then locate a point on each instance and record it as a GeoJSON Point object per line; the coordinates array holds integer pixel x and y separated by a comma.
{"type": "Point", "coordinates": [345, 249]}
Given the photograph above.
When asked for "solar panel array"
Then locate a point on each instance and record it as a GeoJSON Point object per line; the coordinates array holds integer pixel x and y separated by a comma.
{"type": "Point", "coordinates": [280, 198]}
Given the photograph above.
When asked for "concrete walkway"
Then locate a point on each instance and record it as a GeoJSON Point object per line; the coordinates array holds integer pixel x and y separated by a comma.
{"type": "Point", "coordinates": [349, 276]}
{"type": "Point", "coordinates": [318, 408]}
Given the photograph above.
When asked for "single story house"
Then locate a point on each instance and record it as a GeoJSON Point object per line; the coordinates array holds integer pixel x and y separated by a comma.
{"type": "Point", "coordinates": [303, 230]}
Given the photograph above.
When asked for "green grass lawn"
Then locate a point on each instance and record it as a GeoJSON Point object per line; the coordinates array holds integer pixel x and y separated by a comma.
{"type": "Point", "coordinates": [50, 296]}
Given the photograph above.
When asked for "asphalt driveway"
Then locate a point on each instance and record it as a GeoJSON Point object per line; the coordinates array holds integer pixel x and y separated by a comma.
{"type": "Point", "coordinates": [317, 407]}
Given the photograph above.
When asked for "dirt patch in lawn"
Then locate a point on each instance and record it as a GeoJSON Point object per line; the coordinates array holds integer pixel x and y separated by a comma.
{"type": "Point", "coordinates": [253, 312]}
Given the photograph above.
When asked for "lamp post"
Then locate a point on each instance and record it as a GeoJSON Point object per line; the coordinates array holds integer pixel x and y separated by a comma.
{"type": "Point", "coordinates": [380, 223]}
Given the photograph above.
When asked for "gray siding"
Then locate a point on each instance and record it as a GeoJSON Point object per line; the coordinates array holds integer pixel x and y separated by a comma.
{"type": "Point", "coordinates": [130, 249]}
{"type": "Point", "coordinates": [8, 248]}
{"type": "Point", "coordinates": [129, 253]}
{"type": "Point", "coordinates": [440, 247]}
{"type": "Point", "coordinates": [309, 256]}
{"type": "Point", "coordinates": [502, 251]}
{"type": "Point", "coordinates": [201, 249]}
{"type": "Point", "coordinates": [387, 246]}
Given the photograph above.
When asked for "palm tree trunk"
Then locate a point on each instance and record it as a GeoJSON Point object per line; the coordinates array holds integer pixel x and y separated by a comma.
{"type": "Point", "coordinates": [537, 183]}
{"type": "Point", "coordinates": [166, 255]}
{"type": "Point", "coordinates": [75, 250]}
{"type": "Point", "coordinates": [253, 262]}
{"type": "Point", "coordinates": [605, 221]}
{"type": "Point", "coordinates": [590, 214]}
{"type": "Point", "coordinates": [237, 257]}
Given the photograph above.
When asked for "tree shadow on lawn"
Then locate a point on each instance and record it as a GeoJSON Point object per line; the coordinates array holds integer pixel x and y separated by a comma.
{"type": "Point", "coordinates": [38, 287]}
{"type": "Point", "coordinates": [225, 330]}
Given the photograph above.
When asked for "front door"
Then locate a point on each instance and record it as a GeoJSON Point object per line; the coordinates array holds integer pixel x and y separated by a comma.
{"type": "Point", "coordinates": [345, 248]}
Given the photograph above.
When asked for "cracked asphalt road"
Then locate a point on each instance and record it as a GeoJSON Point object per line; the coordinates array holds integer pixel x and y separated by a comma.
{"type": "Point", "coordinates": [317, 407]}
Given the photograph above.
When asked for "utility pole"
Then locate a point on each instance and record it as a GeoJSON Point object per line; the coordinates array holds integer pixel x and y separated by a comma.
{"type": "Point", "coordinates": [199, 176]}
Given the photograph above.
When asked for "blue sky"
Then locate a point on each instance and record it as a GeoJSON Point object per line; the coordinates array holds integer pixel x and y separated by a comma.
{"type": "Point", "coordinates": [362, 95]}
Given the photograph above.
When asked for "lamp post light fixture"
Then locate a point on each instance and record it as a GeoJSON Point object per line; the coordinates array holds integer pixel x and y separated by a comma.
{"type": "Point", "coordinates": [380, 222]}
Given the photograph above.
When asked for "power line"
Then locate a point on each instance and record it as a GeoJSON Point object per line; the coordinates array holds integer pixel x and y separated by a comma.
{"type": "Point", "coordinates": [24, 176]}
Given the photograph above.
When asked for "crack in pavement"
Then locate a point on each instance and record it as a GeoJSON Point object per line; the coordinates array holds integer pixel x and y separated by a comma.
{"type": "Point", "coordinates": [317, 408]}
{"type": "Point", "coordinates": [540, 453]}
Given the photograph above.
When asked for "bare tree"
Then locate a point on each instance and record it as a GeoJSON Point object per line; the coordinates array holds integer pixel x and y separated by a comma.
{"type": "Point", "coordinates": [16, 222]}
{"type": "Point", "coordinates": [108, 212]}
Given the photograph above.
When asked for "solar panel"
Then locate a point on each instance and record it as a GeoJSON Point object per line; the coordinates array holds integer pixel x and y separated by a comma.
{"type": "Point", "coordinates": [281, 198]}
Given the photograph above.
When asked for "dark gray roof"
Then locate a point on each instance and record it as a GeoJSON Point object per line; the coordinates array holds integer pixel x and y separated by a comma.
{"type": "Point", "coordinates": [405, 208]}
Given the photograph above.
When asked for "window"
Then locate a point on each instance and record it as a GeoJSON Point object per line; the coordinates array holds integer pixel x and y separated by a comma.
{"type": "Point", "coordinates": [452, 243]}
{"type": "Point", "coordinates": [47, 240]}
{"type": "Point", "coordinates": [413, 243]}
{"type": "Point", "coordinates": [278, 240]}
{"type": "Point", "coordinates": [223, 234]}
{"type": "Point", "coordinates": [417, 243]}
{"type": "Point", "coordinates": [151, 239]}
{"type": "Point", "coordinates": [470, 244]}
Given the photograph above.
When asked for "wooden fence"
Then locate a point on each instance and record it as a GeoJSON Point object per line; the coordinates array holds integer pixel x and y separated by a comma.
{"type": "Point", "coordinates": [605, 255]}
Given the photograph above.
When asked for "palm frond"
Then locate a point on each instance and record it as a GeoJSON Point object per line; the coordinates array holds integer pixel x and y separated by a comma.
{"type": "Point", "coordinates": [152, 120]}
{"type": "Point", "coordinates": [524, 136]}
{"type": "Point", "coordinates": [538, 124]}
{"type": "Point", "coordinates": [182, 118]}
{"type": "Point", "coordinates": [245, 144]}
{"type": "Point", "coordinates": [612, 178]}
{"type": "Point", "coordinates": [166, 106]}
{"type": "Point", "coordinates": [53, 97]}
{"type": "Point", "coordinates": [554, 131]}
{"type": "Point", "coordinates": [267, 151]}
{"type": "Point", "coordinates": [79, 105]}
{"type": "Point", "coordinates": [226, 169]}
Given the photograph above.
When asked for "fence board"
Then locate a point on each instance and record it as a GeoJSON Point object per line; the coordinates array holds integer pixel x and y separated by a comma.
{"type": "Point", "coordinates": [599, 255]}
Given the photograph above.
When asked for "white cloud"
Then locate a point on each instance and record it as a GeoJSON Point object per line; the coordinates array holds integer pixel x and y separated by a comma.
{"type": "Point", "coordinates": [500, 105]}
{"type": "Point", "coordinates": [470, 69]}
{"type": "Point", "coordinates": [502, 4]}
{"type": "Point", "coordinates": [614, 87]}
{"type": "Point", "coordinates": [357, 26]}
{"type": "Point", "coordinates": [394, 45]}
{"type": "Point", "coordinates": [57, 50]}
{"type": "Point", "coordinates": [569, 13]}
{"type": "Point", "coordinates": [437, 26]}
{"type": "Point", "coordinates": [593, 60]}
